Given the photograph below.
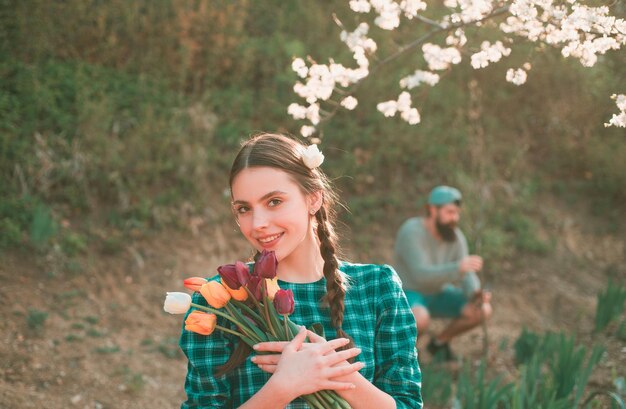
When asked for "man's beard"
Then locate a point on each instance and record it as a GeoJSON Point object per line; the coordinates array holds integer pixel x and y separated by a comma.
{"type": "Point", "coordinates": [446, 231]}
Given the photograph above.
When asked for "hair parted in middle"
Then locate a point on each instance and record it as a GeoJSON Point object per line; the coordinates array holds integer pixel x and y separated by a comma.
{"type": "Point", "coordinates": [285, 153]}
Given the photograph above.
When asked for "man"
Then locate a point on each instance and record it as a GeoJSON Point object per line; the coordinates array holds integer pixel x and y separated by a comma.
{"type": "Point", "coordinates": [438, 275]}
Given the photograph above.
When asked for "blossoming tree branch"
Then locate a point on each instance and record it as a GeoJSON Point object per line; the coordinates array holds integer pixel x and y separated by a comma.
{"type": "Point", "coordinates": [579, 31]}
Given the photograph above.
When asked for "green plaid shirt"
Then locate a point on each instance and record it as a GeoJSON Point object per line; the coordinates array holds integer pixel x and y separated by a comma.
{"type": "Point", "coordinates": [377, 317]}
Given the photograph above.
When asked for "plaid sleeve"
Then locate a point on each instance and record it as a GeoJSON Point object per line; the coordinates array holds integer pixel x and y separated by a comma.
{"type": "Point", "coordinates": [205, 355]}
{"type": "Point", "coordinates": [397, 370]}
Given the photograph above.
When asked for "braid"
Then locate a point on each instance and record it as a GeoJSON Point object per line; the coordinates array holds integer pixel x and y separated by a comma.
{"type": "Point", "coordinates": [335, 289]}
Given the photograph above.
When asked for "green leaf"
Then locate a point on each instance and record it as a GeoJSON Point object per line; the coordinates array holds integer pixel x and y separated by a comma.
{"type": "Point", "coordinates": [318, 329]}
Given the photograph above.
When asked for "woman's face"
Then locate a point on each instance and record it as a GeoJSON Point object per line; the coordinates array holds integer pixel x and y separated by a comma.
{"type": "Point", "coordinates": [272, 212]}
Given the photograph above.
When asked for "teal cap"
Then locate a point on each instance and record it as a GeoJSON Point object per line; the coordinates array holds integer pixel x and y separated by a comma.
{"type": "Point", "coordinates": [442, 195]}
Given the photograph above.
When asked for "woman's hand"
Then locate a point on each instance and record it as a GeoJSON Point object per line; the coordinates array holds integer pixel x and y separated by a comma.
{"type": "Point", "coordinates": [305, 368]}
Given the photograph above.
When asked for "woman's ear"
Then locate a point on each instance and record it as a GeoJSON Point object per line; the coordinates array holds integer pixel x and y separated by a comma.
{"type": "Point", "coordinates": [316, 199]}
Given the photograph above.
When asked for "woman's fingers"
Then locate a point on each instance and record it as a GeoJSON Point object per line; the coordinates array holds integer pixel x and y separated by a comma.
{"type": "Point", "coordinates": [334, 359]}
{"type": "Point", "coordinates": [272, 346]}
{"type": "Point", "coordinates": [337, 386]}
{"type": "Point", "coordinates": [296, 342]}
{"type": "Point", "coordinates": [343, 370]}
{"type": "Point", "coordinates": [267, 368]}
{"type": "Point", "coordinates": [334, 344]}
{"type": "Point", "coordinates": [266, 359]}
{"type": "Point", "coordinates": [314, 337]}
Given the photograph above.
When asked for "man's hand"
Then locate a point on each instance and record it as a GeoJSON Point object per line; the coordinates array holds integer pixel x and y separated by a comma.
{"type": "Point", "coordinates": [470, 263]}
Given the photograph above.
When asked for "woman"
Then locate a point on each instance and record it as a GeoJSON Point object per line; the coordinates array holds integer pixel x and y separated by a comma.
{"type": "Point", "coordinates": [283, 202]}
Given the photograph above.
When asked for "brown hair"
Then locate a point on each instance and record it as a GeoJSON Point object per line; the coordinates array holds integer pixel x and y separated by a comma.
{"type": "Point", "coordinates": [285, 153]}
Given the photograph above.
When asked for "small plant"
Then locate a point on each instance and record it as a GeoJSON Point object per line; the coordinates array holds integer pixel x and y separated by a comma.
{"type": "Point", "coordinates": [526, 346]}
{"type": "Point", "coordinates": [36, 319]}
{"type": "Point", "coordinates": [43, 227]}
{"type": "Point", "coordinates": [610, 305]}
{"type": "Point", "coordinates": [436, 385]}
{"type": "Point", "coordinates": [473, 392]}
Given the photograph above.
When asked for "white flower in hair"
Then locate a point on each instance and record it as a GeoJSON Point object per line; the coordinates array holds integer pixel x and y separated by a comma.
{"type": "Point", "coordinates": [312, 157]}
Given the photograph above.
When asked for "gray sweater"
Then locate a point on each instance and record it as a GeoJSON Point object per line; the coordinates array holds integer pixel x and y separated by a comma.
{"type": "Point", "coordinates": [426, 264]}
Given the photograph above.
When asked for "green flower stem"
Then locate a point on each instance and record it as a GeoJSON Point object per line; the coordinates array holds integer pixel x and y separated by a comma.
{"type": "Point", "coordinates": [247, 309]}
{"type": "Point", "coordinates": [221, 314]}
{"type": "Point", "coordinates": [250, 333]}
{"type": "Point", "coordinates": [267, 316]}
{"type": "Point", "coordinates": [229, 331]}
{"type": "Point", "coordinates": [253, 298]}
{"type": "Point", "coordinates": [314, 401]}
{"type": "Point", "coordinates": [287, 331]}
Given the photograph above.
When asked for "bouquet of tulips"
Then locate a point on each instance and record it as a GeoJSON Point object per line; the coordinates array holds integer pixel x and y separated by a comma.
{"type": "Point", "coordinates": [250, 298]}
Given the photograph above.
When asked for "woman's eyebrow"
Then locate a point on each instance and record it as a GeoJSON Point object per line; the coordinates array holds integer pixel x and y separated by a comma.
{"type": "Point", "coordinates": [264, 197]}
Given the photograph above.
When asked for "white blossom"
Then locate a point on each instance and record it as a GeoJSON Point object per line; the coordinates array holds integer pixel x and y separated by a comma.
{"type": "Point", "coordinates": [312, 156]}
{"type": "Point", "coordinates": [517, 77]}
{"type": "Point", "coordinates": [388, 14]}
{"type": "Point", "coordinates": [489, 53]}
{"type": "Point", "coordinates": [297, 111]}
{"type": "Point", "coordinates": [299, 66]}
{"type": "Point", "coordinates": [307, 130]}
{"type": "Point", "coordinates": [349, 102]}
{"type": "Point", "coordinates": [402, 105]}
{"type": "Point", "coordinates": [618, 120]}
{"type": "Point", "coordinates": [419, 77]}
{"type": "Point", "coordinates": [388, 108]}
{"type": "Point", "coordinates": [412, 7]}
{"type": "Point", "coordinates": [360, 6]}
{"type": "Point", "coordinates": [313, 113]}
{"type": "Point", "coordinates": [440, 58]}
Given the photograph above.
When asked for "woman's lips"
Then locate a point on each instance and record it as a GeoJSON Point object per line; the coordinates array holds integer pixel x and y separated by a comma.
{"type": "Point", "coordinates": [269, 241]}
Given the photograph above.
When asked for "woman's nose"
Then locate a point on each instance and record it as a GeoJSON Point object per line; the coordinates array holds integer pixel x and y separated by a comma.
{"type": "Point", "coordinates": [259, 219]}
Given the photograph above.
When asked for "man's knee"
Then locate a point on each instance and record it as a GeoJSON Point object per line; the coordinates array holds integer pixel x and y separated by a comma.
{"type": "Point", "coordinates": [422, 318]}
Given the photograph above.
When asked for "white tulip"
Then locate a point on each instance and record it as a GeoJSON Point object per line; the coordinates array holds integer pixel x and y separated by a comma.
{"type": "Point", "coordinates": [177, 303]}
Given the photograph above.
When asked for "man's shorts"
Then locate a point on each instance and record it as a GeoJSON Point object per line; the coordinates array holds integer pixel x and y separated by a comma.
{"type": "Point", "coordinates": [446, 304]}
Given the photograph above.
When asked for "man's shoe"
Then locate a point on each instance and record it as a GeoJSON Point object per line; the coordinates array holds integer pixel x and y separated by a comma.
{"type": "Point", "coordinates": [440, 351]}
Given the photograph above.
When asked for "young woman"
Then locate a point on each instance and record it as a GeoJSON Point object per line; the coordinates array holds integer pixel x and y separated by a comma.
{"type": "Point", "coordinates": [282, 201]}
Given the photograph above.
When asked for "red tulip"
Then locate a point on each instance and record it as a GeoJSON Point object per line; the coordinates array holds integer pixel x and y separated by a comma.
{"type": "Point", "coordinates": [228, 274]}
{"type": "Point", "coordinates": [243, 272]}
{"type": "Point", "coordinates": [266, 265]}
{"type": "Point", "coordinates": [254, 285]}
{"type": "Point", "coordinates": [284, 302]}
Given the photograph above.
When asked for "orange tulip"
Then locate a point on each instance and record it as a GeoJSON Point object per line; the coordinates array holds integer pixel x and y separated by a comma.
{"type": "Point", "coordinates": [240, 295]}
{"type": "Point", "coordinates": [194, 283]}
{"type": "Point", "coordinates": [272, 287]}
{"type": "Point", "coordinates": [201, 322]}
{"type": "Point", "coordinates": [215, 294]}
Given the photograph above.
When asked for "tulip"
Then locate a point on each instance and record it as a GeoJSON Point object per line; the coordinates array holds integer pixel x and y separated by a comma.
{"type": "Point", "coordinates": [254, 285]}
{"type": "Point", "coordinates": [272, 287]}
{"type": "Point", "coordinates": [215, 294]}
{"type": "Point", "coordinates": [201, 322]}
{"type": "Point", "coordinates": [194, 283]}
{"type": "Point", "coordinates": [284, 302]}
{"type": "Point", "coordinates": [228, 274]}
{"type": "Point", "coordinates": [240, 295]}
{"type": "Point", "coordinates": [266, 264]}
{"type": "Point", "coordinates": [243, 272]}
{"type": "Point", "coordinates": [177, 303]}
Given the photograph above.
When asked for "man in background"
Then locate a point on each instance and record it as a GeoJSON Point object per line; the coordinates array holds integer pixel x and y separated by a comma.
{"type": "Point", "coordinates": [438, 275]}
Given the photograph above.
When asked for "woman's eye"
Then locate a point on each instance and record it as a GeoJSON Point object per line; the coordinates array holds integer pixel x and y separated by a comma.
{"type": "Point", "coordinates": [274, 202]}
{"type": "Point", "coordinates": [241, 209]}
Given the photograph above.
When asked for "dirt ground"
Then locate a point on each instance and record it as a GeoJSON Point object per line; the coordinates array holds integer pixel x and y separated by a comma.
{"type": "Point", "coordinates": [106, 342]}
